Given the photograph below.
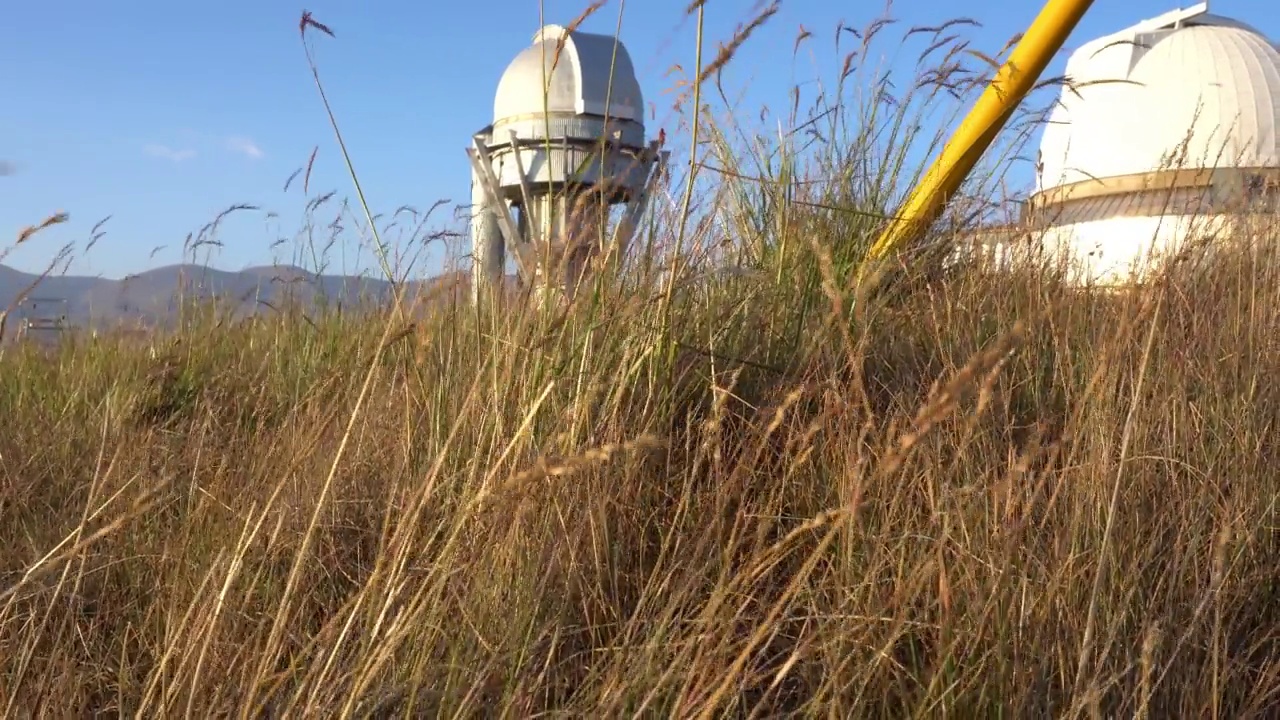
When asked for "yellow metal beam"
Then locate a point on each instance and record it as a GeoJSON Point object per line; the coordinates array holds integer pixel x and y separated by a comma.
{"type": "Point", "coordinates": [1011, 84]}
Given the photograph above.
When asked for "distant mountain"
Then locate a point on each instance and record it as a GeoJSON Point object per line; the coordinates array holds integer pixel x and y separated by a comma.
{"type": "Point", "coordinates": [152, 297]}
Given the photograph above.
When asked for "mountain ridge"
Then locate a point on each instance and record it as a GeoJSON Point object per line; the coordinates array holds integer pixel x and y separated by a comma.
{"type": "Point", "coordinates": [152, 295]}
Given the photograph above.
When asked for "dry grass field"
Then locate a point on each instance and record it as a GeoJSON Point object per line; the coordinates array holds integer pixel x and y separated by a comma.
{"type": "Point", "coordinates": [685, 495]}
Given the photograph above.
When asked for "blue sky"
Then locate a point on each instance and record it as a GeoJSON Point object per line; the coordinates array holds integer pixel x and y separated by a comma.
{"type": "Point", "coordinates": [161, 115]}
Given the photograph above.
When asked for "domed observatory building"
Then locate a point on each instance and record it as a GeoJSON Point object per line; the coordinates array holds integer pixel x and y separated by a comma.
{"type": "Point", "coordinates": [1166, 133]}
{"type": "Point", "coordinates": [567, 144]}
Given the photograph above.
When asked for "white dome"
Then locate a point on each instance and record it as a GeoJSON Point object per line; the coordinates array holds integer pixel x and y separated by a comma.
{"type": "Point", "coordinates": [578, 81]}
{"type": "Point", "coordinates": [1204, 88]}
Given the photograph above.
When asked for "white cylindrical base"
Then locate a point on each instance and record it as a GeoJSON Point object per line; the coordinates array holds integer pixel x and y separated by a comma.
{"type": "Point", "coordinates": [488, 250]}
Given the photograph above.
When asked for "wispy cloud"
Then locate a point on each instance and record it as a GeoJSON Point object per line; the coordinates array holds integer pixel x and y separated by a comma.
{"type": "Point", "coordinates": [168, 153]}
{"type": "Point", "coordinates": [244, 146]}
{"type": "Point", "coordinates": [186, 150]}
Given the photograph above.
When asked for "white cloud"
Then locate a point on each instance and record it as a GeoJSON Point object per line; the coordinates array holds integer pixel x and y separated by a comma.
{"type": "Point", "coordinates": [168, 153]}
{"type": "Point", "coordinates": [244, 146]}
{"type": "Point", "coordinates": [238, 144]}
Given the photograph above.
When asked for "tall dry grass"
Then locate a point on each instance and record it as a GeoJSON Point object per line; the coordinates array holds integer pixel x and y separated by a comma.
{"type": "Point", "coordinates": [689, 494]}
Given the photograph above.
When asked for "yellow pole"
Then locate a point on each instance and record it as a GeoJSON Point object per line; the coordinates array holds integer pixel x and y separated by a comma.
{"type": "Point", "coordinates": [1011, 84]}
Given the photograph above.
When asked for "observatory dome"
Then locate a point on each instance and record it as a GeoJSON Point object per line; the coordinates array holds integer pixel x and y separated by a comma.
{"type": "Point", "coordinates": [1202, 94]}
{"type": "Point", "coordinates": [577, 77]}
{"type": "Point", "coordinates": [1164, 129]}
{"type": "Point", "coordinates": [1214, 99]}
{"type": "Point", "coordinates": [566, 145]}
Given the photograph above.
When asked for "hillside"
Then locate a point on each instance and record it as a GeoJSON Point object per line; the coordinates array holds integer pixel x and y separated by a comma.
{"type": "Point", "coordinates": [152, 296]}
